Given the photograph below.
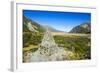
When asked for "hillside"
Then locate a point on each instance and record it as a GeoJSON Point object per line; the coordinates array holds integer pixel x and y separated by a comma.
{"type": "Point", "coordinates": [31, 26]}
{"type": "Point", "coordinates": [82, 28]}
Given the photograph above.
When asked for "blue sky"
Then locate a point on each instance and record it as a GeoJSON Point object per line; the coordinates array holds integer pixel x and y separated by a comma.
{"type": "Point", "coordinates": [63, 21]}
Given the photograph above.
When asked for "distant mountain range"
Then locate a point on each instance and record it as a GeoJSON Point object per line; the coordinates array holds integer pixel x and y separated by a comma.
{"type": "Point", "coordinates": [32, 26]}
{"type": "Point", "coordinates": [82, 28]}
{"type": "Point", "coordinates": [51, 28]}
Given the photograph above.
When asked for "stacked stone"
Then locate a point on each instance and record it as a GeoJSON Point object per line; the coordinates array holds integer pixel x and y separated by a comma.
{"type": "Point", "coordinates": [48, 50]}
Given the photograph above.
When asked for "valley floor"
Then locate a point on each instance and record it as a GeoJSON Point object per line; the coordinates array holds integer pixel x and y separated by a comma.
{"type": "Point", "coordinates": [79, 45]}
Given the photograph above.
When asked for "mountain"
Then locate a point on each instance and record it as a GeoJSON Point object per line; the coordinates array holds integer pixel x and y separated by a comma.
{"type": "Point", "coordinates": [82, 28]}
{"type": "Point", "coordinates": [31, 26]}
{"type": "Point", "coordinates": [51, 28]}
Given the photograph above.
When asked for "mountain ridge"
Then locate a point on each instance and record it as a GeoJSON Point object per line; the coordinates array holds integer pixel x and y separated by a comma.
{"type": "Point", "coordinates": [82, 28]}
{"type": "Point", "coordinates": [31, 26]}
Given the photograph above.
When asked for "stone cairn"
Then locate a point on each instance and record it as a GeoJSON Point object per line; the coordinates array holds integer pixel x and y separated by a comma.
{"type": "Point", "coordinates": [48, 50]}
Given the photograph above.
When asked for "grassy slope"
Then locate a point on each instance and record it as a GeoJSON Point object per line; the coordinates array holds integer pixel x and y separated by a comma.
{"type": "Point", "coordinates": [78, 44]}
